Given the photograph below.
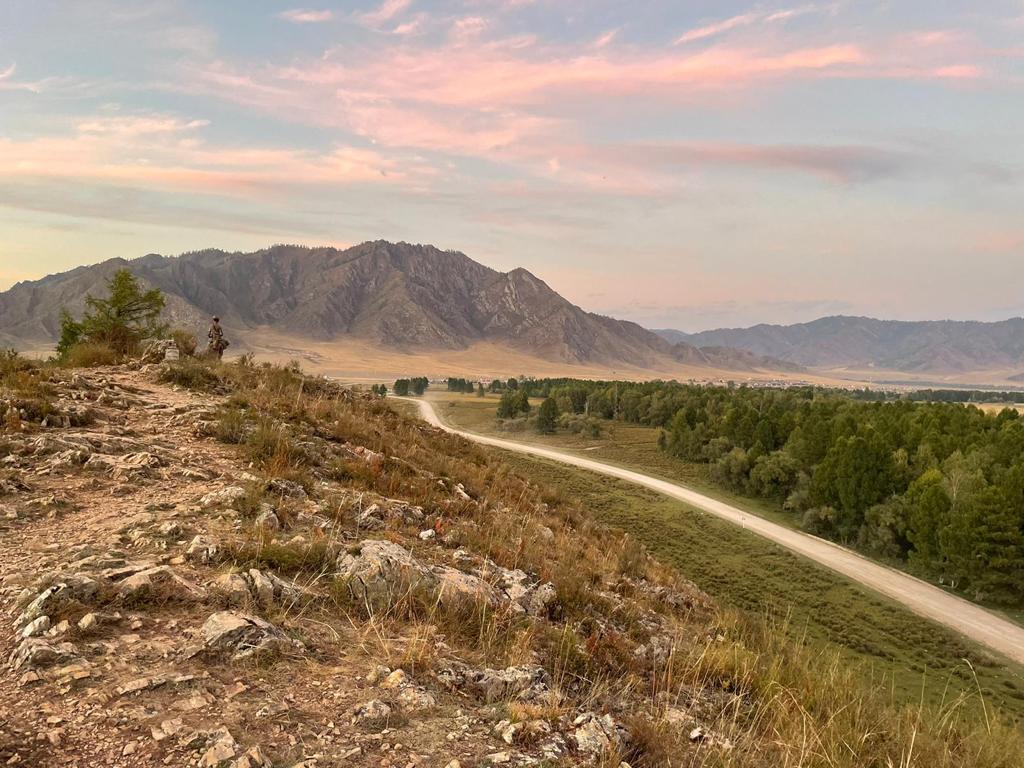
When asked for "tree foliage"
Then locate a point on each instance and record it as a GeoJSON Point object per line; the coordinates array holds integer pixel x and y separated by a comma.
{"type": "Point", "coordinates": [121, 321]}
{"type": "Point", "coordinates": [938, 485]}
{"type": "Point", "coordinates": [547, 416]}
{"type": "Point", "coordinates": [416, 386]}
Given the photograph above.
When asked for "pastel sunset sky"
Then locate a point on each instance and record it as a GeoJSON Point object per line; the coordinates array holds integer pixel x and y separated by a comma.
{"type": "Point", "coordinates": [686, 164]}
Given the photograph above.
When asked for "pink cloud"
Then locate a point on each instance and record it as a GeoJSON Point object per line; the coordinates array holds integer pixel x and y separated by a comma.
{"type": "Point", "coordinates": [306, 16]}
{"type": "Point", "coordinates": [742, 20]}
{"type": "Point", "coordinates": [605, 39]}
{"type": "Point", "coordinates": [385, 12]}
{"type": "Point", "coordinates": [151, 150]}
{"type": "Point", "coordinates": [710, 30]}
{"type": "Point", "coordinates": [514, 102]}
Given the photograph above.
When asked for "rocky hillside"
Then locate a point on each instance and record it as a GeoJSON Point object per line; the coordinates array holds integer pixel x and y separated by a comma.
{"type": "Point", "coordinates": [398, 295]}
{"type": "Point", "coordinates": [244, 567]}
{"type": "Point", "coordinates": [863, 342]}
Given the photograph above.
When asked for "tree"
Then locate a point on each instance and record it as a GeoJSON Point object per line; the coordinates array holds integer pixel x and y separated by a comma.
{"type": "Point", "coordinates": [507, 406]}
{"type": "Point", "coordinates": [419, 385]}
{"type": "Point", "coordinates": [127, 317]}
{"type": "Point", "coordinates": [929, 506]}
{"type": "Point", "coordinates": [522, 401]}
{"type": "Point", "coordinates": [856, 474]}
{"type": "Point", "coordinates": [547, 416]}
{"type": "Point", "coordinates": [402, 387]}
{"type": "Point", "coordinates": [480, 391]}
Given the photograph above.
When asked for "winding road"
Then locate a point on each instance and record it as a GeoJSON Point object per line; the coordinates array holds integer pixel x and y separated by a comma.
{"type": "Point", "coordinates": [984, 627]}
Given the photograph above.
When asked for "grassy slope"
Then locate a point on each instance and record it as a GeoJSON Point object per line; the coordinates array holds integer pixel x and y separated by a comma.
{"type": "Point", "coordinates": [923, 660]}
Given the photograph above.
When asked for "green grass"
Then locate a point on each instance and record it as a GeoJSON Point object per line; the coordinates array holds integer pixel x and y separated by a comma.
{"type": "Point", "coordinates": [920, 660]}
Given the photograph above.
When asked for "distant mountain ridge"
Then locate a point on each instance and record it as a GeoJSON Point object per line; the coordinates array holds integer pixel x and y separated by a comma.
{"type": "Point", "coordinates": [842, 341]}
{"type": "Point", "coordinates": [395, 294]}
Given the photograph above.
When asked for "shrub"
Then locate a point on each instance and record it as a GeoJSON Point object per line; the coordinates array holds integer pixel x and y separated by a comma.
{"type": "Point", "coordinates": [88, 354]}
{"type": "Point", "coordinates": [12, 363]}
{"type": "Point", "coordinates": [191, 374]}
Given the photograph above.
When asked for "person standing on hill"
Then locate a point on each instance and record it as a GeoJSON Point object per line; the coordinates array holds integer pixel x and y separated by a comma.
{"type": "Point", "coordinates": [217, 341]}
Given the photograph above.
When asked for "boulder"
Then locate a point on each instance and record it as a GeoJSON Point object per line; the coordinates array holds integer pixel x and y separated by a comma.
{"type": "Point", "coordinates": [203, 549]}
{"type": "Point", "coordinates": [245, 636]}
{"type": "Point", "coordinates": [380, 569]}
{"type": "Point", "coordinates": [225, 497]}
{"type": "Point", "coordinates": [372, 715]}
{"type": "Point", "coordinates": [162, 582]}
{"type": "Point", "coordinates": [232, 589]}
{"type": "Point", "coordinates": [35, 653]}
{"type": "Point", "coordinates": [65, 589]}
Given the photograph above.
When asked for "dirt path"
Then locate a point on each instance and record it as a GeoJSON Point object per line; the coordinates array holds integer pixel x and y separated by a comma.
{"type": "Point", "coordinates": [922, 598]}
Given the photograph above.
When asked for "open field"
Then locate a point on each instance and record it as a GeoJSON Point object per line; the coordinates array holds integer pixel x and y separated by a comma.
{"type": "Point", "coordinates": [358, 360]}
{"type": "Point", "coordinates": [744, 570]}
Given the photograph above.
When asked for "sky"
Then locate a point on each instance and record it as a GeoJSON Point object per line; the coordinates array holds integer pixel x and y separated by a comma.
{"type": "Point", "coordinates": [682, 164]}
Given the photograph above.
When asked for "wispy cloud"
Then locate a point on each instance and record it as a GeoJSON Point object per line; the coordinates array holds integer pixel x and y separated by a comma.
{"type": "Point", "coordinates": [385, 12]}
{"type": "Point", "coordinates": [713, 29]}
{"type": "Point", "coordinates": [605, 39]}
{"type": "Point", "coordinates": [8, 83]}
{"type": "Point", "coordinates": [150, 150]}
{"type": "Point", "coordinates": [306, 16]}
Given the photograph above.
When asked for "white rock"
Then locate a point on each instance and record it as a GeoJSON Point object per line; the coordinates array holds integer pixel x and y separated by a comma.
{"type": "Point", "coordinates": [224, 497]}
{"type": "Point", "coordinates": [160, 580]}
{"type": "Point", "coordinates": [36, 627]}
{"type": "Point", "coordinates": [203, 549]}
{"type": "Point", "coordinates": [245, 636]}
{"type": "Point", "coordinates": [232, 589]}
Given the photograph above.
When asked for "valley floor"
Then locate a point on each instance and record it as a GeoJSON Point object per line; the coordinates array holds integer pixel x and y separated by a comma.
{"type": "Point", "coordinates": [621, 458]}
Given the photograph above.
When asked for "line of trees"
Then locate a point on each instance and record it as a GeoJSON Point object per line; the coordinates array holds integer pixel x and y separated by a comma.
{"type": "Point", "coordinates": [416, 386]}
{"type": "Point", "coordinates": [936, 485]}
{"type": "Point", "coordinates": [461, 385]}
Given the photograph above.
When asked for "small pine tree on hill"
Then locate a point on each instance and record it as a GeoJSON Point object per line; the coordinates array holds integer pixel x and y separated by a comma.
{"type": "Point", "coordinates": [122, 321]}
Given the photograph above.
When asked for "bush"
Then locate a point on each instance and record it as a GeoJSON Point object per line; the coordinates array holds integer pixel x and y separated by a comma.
{"type": "Point", "coordinates": [11, 363]}
{"type": "Point", "coordinates": [191, 374]}
{"type": "Point", "coordinates": [86, 354]}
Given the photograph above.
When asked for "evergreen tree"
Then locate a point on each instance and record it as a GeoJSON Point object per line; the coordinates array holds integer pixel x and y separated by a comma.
{"type": "Point", "coordinates": [547, 416]}
{"type": "Point", "coordinates": [127, 317]}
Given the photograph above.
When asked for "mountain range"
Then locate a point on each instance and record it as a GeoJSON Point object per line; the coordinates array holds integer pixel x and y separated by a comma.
{"type": "Point", "coordinates": [930, 346]}
{"type": "Point", "coordinates": [397, 295]}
